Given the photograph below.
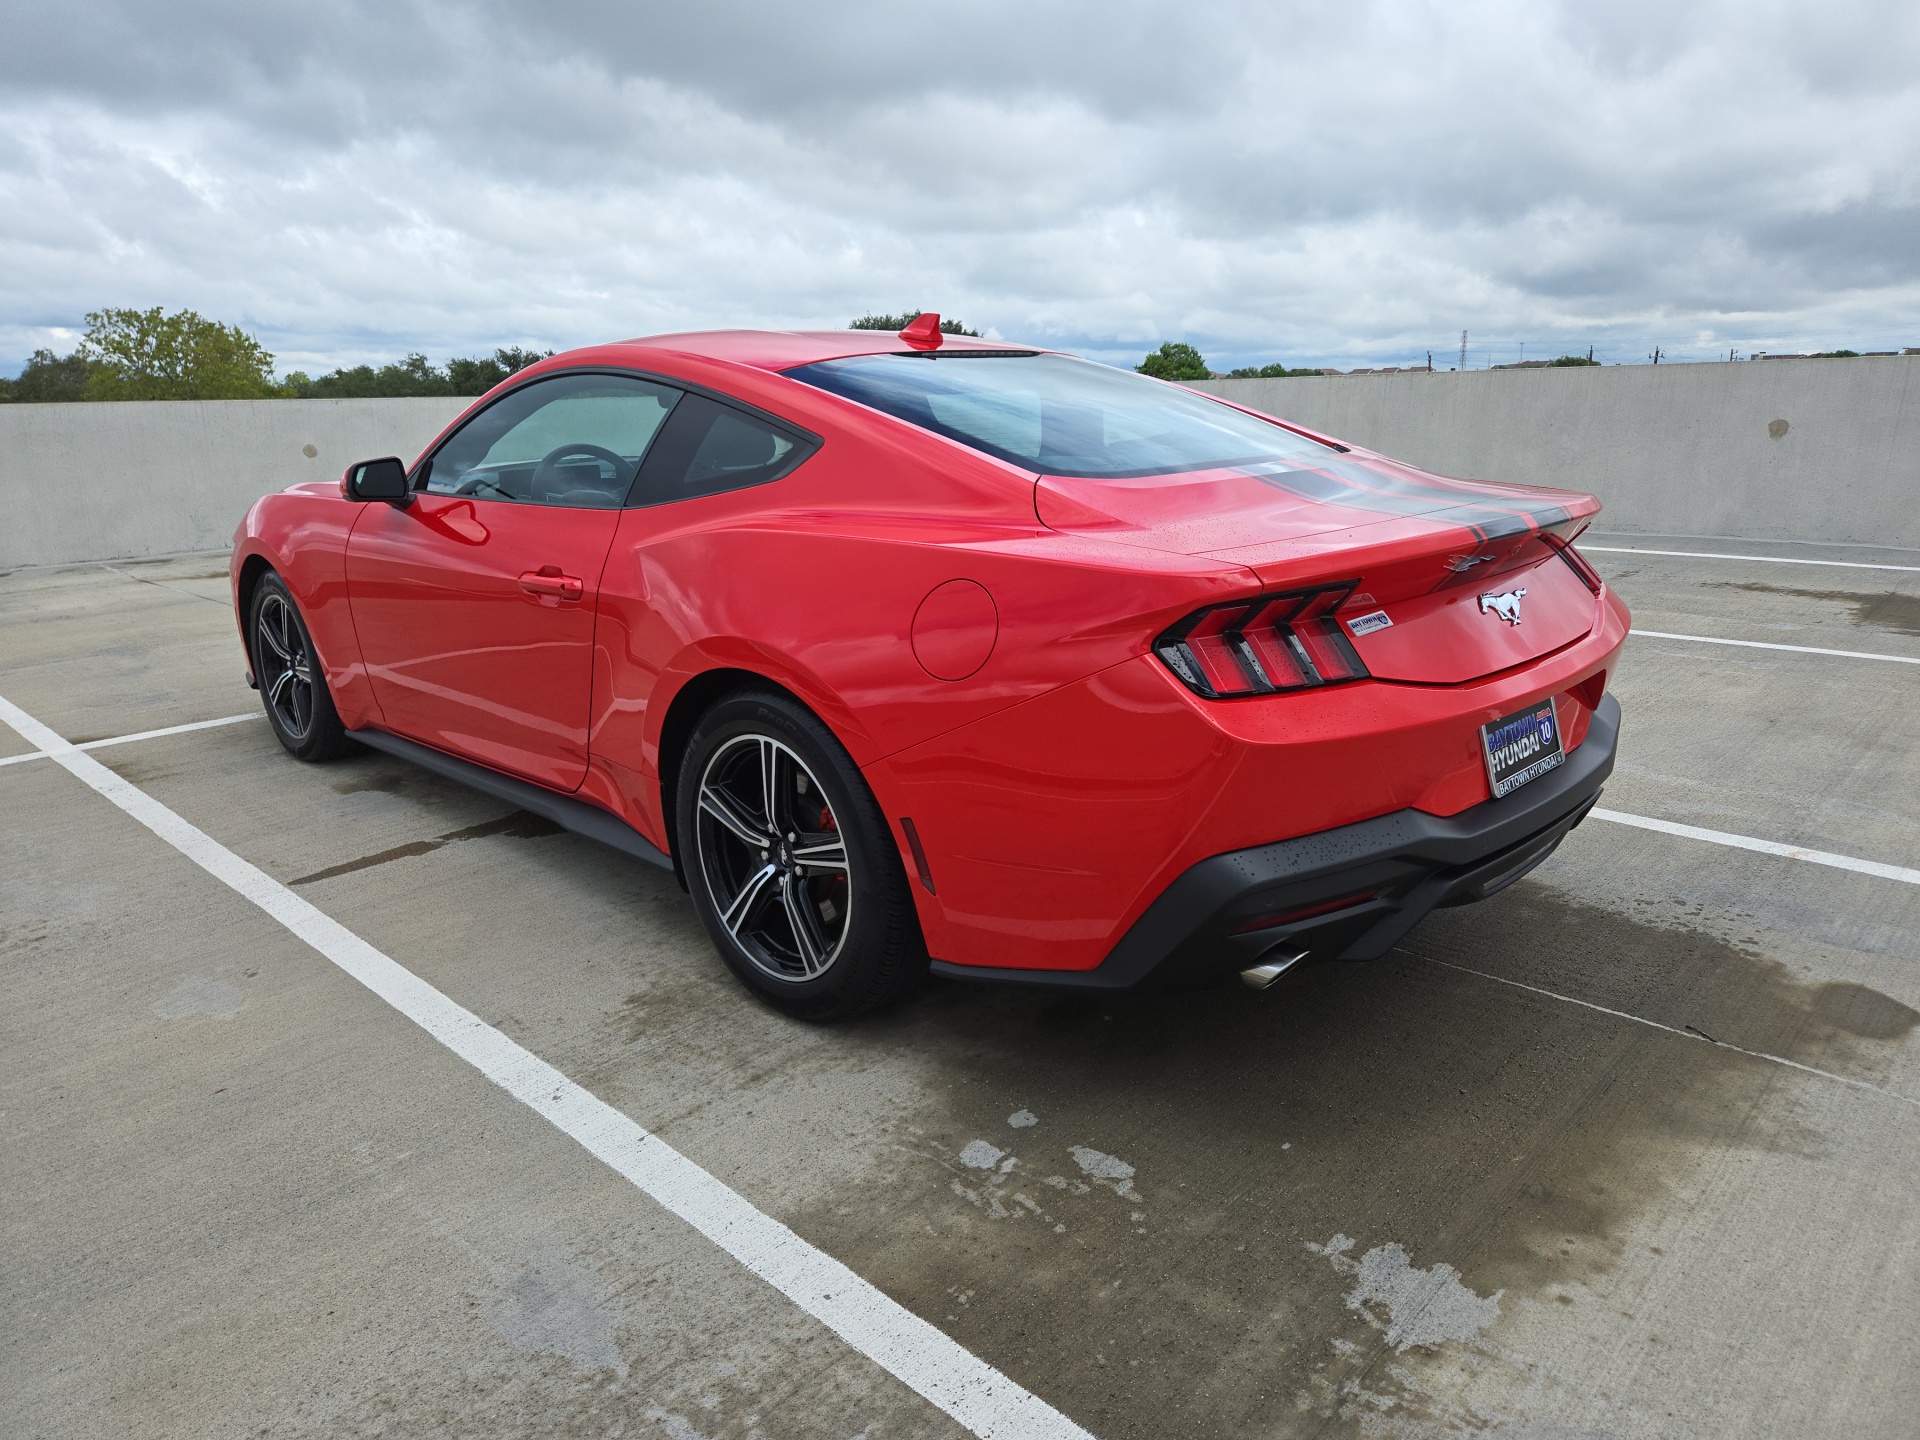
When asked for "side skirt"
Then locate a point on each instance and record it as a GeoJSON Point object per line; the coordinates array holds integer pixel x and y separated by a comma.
{"type": "Point", "coordinates": [575, 815]}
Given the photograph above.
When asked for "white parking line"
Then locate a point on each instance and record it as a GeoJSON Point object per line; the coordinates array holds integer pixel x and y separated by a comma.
{"type": "Point", "coordinates": [1763, 847]}
{"type": "Point", "coordinates": [1688, 1033]}
{"type": "Point", "coordinates": [1768, 645]}
{"type": "Point", "coordinates": [141, 735]}
{"type": "Point", "coordinates": [925, 1359]}
{"type": "Point", "coordinates": [1765, 559]}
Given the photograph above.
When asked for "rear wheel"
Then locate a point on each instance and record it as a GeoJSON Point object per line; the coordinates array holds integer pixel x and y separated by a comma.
{"type": "Point", "coordinates": [791, 864]}
{"type": "Point", "coordinates": [292, 685]}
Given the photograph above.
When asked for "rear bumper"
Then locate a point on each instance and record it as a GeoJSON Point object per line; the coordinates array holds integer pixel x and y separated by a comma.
{"type": "Point", "coordinates": [1394, 870]}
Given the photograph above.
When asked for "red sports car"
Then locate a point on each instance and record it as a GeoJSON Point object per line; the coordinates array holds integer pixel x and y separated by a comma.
{"type": "Point", "coordinates": [910, 651]}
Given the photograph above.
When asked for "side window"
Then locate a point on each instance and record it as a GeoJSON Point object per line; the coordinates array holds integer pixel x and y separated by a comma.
{"type": "Point", "coordinates": [573, 440]}
{"type": "Point", "coordinates": [708, 447]}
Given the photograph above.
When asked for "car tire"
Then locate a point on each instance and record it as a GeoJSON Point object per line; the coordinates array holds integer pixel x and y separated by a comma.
{"type": "Point", "coordinates": [293, 684]}
{"type": "Point", "coordinates": [812, 912]}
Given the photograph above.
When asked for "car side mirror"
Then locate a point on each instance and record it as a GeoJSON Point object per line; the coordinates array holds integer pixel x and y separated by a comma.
{"type": "Point", "coordinates": [382, 479]}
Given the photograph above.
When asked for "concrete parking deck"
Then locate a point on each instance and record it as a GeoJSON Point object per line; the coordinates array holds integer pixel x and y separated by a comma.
{"type": "Point", "coordinates": [1631, 1149]}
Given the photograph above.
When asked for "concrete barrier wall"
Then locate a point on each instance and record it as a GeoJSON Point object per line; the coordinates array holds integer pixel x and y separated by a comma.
{"type": "Point", "coordinates": [1675, 449]}
{"type": "Point", "coordinates": [1769, 449]}
{"type": "Point", "coordinates": [106, 482]}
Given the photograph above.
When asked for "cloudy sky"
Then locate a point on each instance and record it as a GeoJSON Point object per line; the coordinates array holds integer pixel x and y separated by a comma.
{"type": "Point", "coordinates": [1348, 183]}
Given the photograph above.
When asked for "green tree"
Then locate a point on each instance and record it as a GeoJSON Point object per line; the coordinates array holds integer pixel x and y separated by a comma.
{"type": "Point", "coordinates": [415, 375]}
{"type": "Point", "coordinates": [151, 355]}
{"type": "Point", "coordinates": [48, 377]}
{"type": "Point", "coordinates": [513, 359]}
{"type": "Point", "coordinates": [1275, 371]}
{"type": "Point", "coordinates": [1175, 360]}
{"type": "Point", "coordinates": [473, 377]}
{"type": "Point", "coordinates": [476, 377]}
{"type": "Point", "coordinates": [1571, 360]}
{"type": "Point", "coordinates": [900, 322]}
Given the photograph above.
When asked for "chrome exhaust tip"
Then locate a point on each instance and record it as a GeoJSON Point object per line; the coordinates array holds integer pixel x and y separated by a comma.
{"type": "Point", "coordinates": [1277, 963]}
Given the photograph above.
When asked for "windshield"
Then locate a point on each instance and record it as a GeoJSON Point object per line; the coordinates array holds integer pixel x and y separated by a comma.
{"type": "Point", "coordinates": [1058, 415]}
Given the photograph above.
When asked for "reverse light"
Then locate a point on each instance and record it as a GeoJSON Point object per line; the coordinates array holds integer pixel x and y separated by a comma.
{"type": "Point", "coordinates": [1591, 689]}
{"type": "Point", "coordinates": [1305, 912]}
{"type": "Point", "coordinates": [1263, 646]}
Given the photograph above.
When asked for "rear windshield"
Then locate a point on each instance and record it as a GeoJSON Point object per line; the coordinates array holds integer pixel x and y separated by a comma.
{"type": "Point", "coordinates": [1058, 415]}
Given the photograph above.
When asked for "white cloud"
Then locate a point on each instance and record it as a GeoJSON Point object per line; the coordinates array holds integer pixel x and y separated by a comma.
{"type": "Point", "coordinates": [1349, 184]}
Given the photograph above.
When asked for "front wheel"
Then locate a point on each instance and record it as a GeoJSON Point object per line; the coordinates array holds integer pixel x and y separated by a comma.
{"type": "Point", "coordinates": [791, 864]}
{"type": "Point", "coordinates": [292, 685]}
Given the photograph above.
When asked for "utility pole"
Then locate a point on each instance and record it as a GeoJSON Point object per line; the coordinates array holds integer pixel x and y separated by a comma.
{"type": "Point", "coordinates": [1655, 357]}
{"type": "Point", "coordinates": [1463, 350]}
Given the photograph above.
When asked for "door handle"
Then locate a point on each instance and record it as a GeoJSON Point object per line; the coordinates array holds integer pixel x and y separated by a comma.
{"type": "Point", "coordinates": [548, 580]}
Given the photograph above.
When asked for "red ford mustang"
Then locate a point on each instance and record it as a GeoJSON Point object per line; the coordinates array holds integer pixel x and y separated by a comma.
{"type": "Point", "coordinates": [909, 650]}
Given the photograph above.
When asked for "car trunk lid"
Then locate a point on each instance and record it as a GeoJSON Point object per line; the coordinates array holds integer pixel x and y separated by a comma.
{"type": "Point", "coordinates": [1454, 579]}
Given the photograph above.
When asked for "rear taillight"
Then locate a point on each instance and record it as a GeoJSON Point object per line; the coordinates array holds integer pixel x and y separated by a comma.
{"type": "Point", "coordinates": [1263, 646]}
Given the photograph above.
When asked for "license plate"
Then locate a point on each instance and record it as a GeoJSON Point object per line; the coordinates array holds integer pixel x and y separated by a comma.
{"type": "Point", "coordinates": [1522, 747]}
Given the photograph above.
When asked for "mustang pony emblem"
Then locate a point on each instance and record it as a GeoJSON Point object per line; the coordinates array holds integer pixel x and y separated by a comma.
{"type": "Point", "coordinates": [1506, 606]}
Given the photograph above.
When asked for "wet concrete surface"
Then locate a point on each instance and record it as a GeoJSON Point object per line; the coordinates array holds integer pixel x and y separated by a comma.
{"type": "Point", "coordinates": [1874, 609]}
{"type": "Point", "coordinates": [1550, 1169]}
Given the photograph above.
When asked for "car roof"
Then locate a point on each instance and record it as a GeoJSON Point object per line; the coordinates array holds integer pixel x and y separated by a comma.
{"type": "Point", "coordinates": [783, 349]}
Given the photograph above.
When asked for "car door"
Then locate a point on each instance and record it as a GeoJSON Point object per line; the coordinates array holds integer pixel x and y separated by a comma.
{"type": "Point", "coordinates": [667, 562]}
{"type": "Point", "coordinates": [475, 603]}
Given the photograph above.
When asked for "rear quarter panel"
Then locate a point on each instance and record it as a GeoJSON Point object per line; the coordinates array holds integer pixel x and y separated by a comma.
{"type": "Point", "coordinates": [813, 582]}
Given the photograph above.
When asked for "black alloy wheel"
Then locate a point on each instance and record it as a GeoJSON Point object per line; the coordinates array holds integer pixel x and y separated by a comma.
{"type": "Point", "coordinates": [770, 849]}
{"type": "Point", "coordinates": [792, 867]}
{"type": "Point", "coordinates": [292, 685]}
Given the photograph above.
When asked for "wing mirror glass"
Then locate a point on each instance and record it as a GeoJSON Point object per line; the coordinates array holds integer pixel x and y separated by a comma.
{"type": "Point", "coordinates": [382, 479]}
